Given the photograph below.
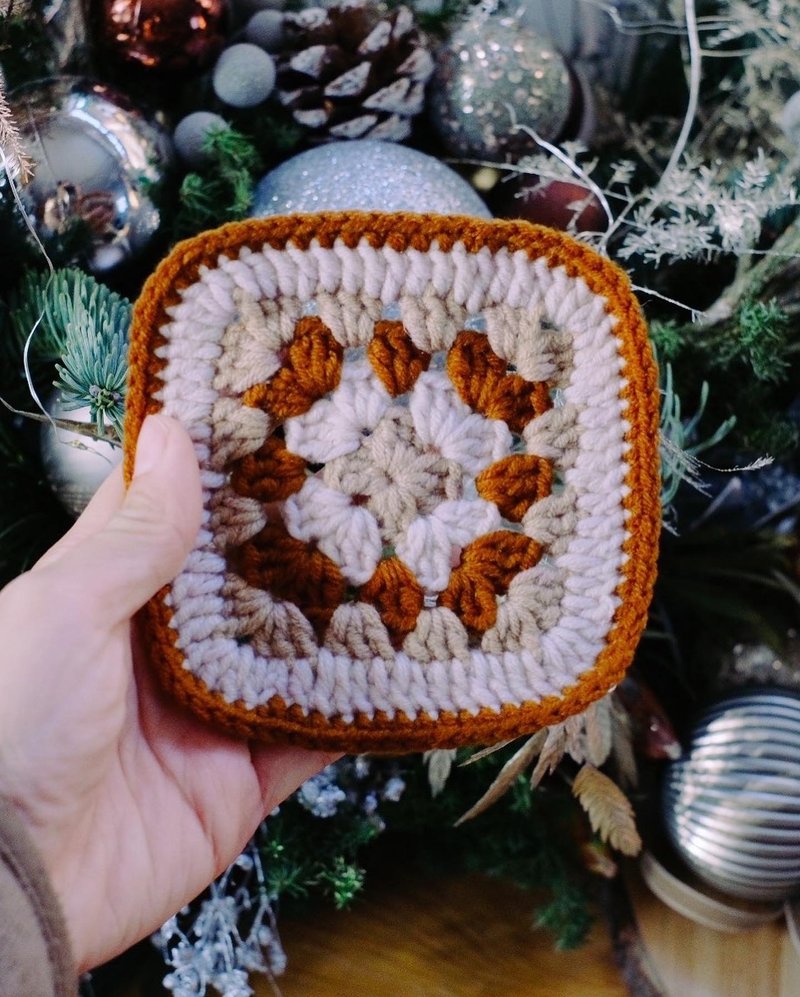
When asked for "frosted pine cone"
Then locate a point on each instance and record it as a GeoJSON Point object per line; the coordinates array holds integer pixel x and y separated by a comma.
{"type": "Point", "coordinates": [354, 71]}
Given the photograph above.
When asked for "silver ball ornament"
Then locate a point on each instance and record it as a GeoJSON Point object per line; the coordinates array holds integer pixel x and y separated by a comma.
{"type": "Point", "coordinates": [244, 75]}
{"type": "Point", "coordinates": [75, 465]}
{"type": "Point", "coordinates": [96, 159]}
{"type": "Point", "coordinates": [265, 29]}
{"type": "Point", "coordinates": [732, 802]}
{"type": "Point", "coordinates": [365, 175]}
{"type": "Point", "coordinates": [492, 73]}
{"type": "Point", "coordinates": [191, 133]}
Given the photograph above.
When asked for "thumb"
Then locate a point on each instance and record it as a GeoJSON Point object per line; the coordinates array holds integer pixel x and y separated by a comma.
{"type": "Point", "coordinates": [144, 544]}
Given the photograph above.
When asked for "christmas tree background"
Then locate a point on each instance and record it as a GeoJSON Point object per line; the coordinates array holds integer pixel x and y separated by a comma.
{"type": "Point", "coordinates": [665, 135]}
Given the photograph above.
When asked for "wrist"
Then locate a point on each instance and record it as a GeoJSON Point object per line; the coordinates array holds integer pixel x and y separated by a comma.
{"type": "Point", "coordinates": [34, 946]}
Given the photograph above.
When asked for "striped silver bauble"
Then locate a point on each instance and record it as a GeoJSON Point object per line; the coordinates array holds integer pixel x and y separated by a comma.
{"type": "Point", "coordinates": [732, 802]}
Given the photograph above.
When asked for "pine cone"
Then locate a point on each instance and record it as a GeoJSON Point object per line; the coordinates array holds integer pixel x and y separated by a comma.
{"type": "Point", "coordinates": [354, 71]}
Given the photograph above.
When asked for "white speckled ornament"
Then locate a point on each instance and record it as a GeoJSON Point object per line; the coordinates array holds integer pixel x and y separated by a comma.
{"type": "Point", "coordinates": [365, 175]}
{"type": "Point", "coordinates": [494, 73]}
{"type": "Point", "coordinates": [244, 76]}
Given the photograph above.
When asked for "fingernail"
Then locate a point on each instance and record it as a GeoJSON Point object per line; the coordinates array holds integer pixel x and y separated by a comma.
{"type": "Point", "coordinates": [150, 445]}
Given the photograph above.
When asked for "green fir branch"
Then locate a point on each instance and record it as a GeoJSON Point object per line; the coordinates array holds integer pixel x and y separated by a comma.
{"type": "Point", "coordinates": [680, 444]}
{"type": "Point", "coordinates": [26, 49]}
{"type": "Point", "coordinates": [81, 327]}
{"type": "Point", "coordinates": [222, 191]}
{"type": "Point", "coordinates": [93, 374]}
{"type": "Point", "coordinates": [760, 340]}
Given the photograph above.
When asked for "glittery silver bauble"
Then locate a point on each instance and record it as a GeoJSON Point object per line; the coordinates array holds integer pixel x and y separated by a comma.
{"type": "Point", "coordinates": [75, 465]}
{"type": "Point", "coordinates": [493, 73]}
{"type": "Point", "coordinates": [365, 175]}
{"type": "Point", "coordinates": [96, 159]}
{"type": "Point", "coordinates": [732, 803]}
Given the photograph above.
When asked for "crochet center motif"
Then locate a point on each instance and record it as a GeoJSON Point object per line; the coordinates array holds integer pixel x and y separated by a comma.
{"type": "Point", "coordinates": [399, 479]}
{"type": "Point", "coordinates": [428, 452]}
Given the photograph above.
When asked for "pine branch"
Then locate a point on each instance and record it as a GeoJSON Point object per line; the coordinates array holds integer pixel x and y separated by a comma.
{"type": "Point", "coordinates": [82, 330]}
{"type": "Point", "coordinates": [223, 190]}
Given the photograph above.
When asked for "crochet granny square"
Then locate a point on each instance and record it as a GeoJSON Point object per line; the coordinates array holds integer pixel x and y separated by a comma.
{"type": "Point", "coordinates": [428, 449]}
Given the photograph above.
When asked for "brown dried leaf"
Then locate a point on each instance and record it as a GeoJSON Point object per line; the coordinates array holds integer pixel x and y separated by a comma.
{"type": "Point", "coordinates": [16, 161]}
{"type": "Point", "coordinates": [597, 725]}
{"type": "Point", "coordinates": [597, 859]}
{"type": "Point", "coordinates": [506, 776]}
{"type": "Point", "coordinates": [484, 753]}
{"type": "Point", "coordinates": [555, 746]}
{"type": "Point", "coordinates": [609, 809]}
{"type": "Point", "coordinates": [439, 762]}
{"type": "Point", "coordinates": [575, 744]}
{"type": "Point", "coordinates": [622, 745]}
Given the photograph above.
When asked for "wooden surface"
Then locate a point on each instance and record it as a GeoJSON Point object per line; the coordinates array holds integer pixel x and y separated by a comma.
{"type": "Point", "coordinates": [459, 937]}
{"type": "Point", "coordinates": [698, 962]}
{"type": "Point", "coordinates": [472, 937]}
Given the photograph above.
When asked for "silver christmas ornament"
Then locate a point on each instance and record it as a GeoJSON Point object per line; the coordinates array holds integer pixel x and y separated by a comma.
{"type": "Point", "coordinates": [492, 74]}
{"type": "Point", "coordinates": [244, 75]}
{"type": "Point", "coordinates": [265, 29]}
{"type": "Point", "coordinates": [96, 159]}
{"type": "Point", "coordinates": [603, 42]}
{"type": "Point", "coordinates": [75, 465]}
{"type": "Point", "coordinates": [732, 802]}
{"type": "Point", "coordinates": [191, 133]}
{"type": "Point", "coordinates": [365, 175]}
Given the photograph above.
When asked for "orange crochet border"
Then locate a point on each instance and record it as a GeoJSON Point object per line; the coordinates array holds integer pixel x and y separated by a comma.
{"type": "Point", "coordinates": [278, 721]}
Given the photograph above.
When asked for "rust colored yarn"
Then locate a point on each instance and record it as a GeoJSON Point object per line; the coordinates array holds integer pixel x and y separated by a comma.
{"type": "Point", "coordinates": [398, 596]}
{"type": "Point", "coordinates": [312, 369]}
{"type": "Point", "coordinates": [270, 474]}
{"type": "Point", "coordinates": [485, 385]}
{"type": "Point", "coordinates": [396, 360]}
{"type": "Point", "coordinates": [515, 483]}
{"type": "Point", "coordinates": [277, 562]}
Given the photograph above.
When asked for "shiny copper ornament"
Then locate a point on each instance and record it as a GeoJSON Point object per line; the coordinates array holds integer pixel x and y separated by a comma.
{"type": "Point", "coordinates": [178, 36]}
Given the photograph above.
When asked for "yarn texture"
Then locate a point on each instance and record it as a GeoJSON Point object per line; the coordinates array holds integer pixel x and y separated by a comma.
{"type": "Point", "coordinates": [428, 451]}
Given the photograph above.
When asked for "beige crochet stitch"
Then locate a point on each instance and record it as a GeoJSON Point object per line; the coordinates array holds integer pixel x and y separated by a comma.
{"type": "Point", "coordinates": [428, 455]}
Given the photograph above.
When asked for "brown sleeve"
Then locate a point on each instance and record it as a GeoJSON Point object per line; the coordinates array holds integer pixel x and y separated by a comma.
{"type": "Point", "coordinates": [35, 957]}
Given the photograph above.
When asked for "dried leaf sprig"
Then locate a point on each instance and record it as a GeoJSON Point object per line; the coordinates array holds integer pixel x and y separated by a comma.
{"type": "Point", "coordinates": [16, 162]}
{"type": "Point", "coordinates": [609, 809]}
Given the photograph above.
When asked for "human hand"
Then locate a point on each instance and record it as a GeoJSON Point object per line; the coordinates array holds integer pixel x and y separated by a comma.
{"type": "Point", "coordinates": [134, 805]}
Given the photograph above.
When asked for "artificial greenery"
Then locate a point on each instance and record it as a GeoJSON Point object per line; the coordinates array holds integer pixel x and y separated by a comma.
{"type": "Point", "coordinates": [306, 855]}
{"type": "Point", "coordinates": [750, 359]}
{"type": "Point", "coordinates": [680, 445]}
{"type": "Point", "coordinates": [26, 49]}
{"type": "Point", "coordinates": [78, 328]}
{"type": "Point", "coordinates": [222, 190]}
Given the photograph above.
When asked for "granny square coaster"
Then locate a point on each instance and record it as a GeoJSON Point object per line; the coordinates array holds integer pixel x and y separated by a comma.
{"type": "Point", "coordinates": [428, 449]}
